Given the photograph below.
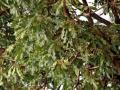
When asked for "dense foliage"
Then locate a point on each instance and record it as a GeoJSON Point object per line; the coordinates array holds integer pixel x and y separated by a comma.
{"type": "Point", "coordinates": [47, 46]}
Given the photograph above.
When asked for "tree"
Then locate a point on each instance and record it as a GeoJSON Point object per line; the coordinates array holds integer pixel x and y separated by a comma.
{"type": "Point", "coordinates": [54, 49]}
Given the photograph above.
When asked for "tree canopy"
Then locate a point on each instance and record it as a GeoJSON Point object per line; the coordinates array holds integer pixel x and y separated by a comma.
{"type": "Point", "coordinates": [45, 45]}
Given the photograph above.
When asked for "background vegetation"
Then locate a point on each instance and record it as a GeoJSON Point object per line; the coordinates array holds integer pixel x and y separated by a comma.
{"type": "Point", "coordinates": [44, 45]}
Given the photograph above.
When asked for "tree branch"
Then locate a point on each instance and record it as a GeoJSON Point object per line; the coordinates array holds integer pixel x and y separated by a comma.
{"type": "Point", "coordinates": [100, 19]}
{"type": "Point", "coordinates": [94, 15]}
{"type": "Point", "coordinates": [65, 10]}
{"type": "Point", "coordinates": [87, 12]}
{"type": "Point", "coordinates": [112, 5]}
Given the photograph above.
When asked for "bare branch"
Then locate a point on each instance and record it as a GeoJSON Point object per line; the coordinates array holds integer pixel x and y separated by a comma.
{"type": "Point", "coordinates": [100, 19]}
